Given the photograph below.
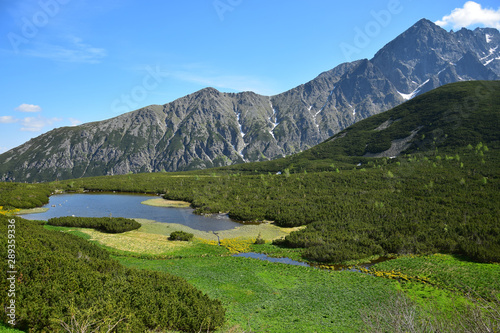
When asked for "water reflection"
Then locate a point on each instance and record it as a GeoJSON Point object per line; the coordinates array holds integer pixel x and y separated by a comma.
{"type": "Point", "coordinates": [289, 261]}
{"type": "Point", "coordinates": [262, 256]}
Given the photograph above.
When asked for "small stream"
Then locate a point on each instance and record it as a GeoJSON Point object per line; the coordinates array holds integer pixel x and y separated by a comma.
{"type": "Point", "coordinates": [262, 256]}
{"type": "Point", "coordinates": [289, 261]}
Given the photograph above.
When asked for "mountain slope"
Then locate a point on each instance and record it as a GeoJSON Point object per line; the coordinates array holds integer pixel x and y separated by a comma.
{"type": "Point", "coordinates": [454, 115]}
{"type": "Point", "coordinates": [449, 117]}
{"type": "Point", "coordinates": [209, 128]}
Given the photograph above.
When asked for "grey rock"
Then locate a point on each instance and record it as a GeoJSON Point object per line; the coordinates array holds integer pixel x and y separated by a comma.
{"type": "Point", "coordinates": [210, 128]}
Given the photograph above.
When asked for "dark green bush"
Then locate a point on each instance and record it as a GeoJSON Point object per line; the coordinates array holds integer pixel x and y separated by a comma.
{"type": "Point", "coordinates": [260, 240]}
{"type": "Point", "coordinates": [19, 195]}
{"type": "Point", "coordinates": [180, 236]}
{"type": "Point", "coordinates": [112, 225]}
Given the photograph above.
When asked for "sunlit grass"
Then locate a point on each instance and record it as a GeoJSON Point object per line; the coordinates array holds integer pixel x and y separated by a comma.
{"type": "Point", "coordinates": [268, 231]}
{"type": "Point", "coordinates": [5, 328]}
{"type": "Point", "coordinates": [136, 241]}
{"type": "Point", "coordinates": [449, 272]}
{"type": "Point", "coordinates": [160, 202]}
{"type": "Point", "coordinates": [269, 297]}
{"type": "Point", "coordinates": [263, 296]}
{"type": "Point", "coordinates": [32, 211]}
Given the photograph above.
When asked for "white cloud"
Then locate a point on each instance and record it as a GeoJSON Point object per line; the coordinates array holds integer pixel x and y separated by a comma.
{"type": "Point", "coordinates": [73, 51]}
{"type": "Point", "coordinates": [36, 124]}
{"type": "Point", "coordinates": [74, 122]}
{"type": "Point", "coordinates": [28, 108]}
{"type": "Point", "coordinates": [220, 81]}
{"type": "Point", "coordinates": [7, 120]}
{"type": "Point", "coordinates": [472, 13]}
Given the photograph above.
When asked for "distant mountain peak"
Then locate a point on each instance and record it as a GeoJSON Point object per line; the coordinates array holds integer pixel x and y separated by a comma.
{"type": "Point", "coordinates": [211, 128]}
{"type": "Point", "coordinates": [425, 23]}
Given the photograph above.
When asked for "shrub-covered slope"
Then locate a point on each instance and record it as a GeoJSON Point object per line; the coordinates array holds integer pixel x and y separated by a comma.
{"type": "Point", "coordinates": [61, 276]}
{"type": "Point", "coordinates": [451, 116]}
{"type": "Point", "coordinates": [448, 117]}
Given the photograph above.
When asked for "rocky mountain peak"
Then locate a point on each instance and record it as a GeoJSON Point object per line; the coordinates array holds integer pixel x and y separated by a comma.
{"type": "Point", "coordinates": [210, 128]}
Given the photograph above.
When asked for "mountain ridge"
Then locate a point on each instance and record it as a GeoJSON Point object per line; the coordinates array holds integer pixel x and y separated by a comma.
{"type": "Point", "coordinates": [446, 119]}
{"type": "Point", "coordinates": [209, 128]}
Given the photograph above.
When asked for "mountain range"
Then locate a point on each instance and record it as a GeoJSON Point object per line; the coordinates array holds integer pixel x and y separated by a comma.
{"type": "Point", "coordinates": [210, 128]}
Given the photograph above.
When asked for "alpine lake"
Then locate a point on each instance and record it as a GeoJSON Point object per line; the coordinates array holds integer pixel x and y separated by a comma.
{"type": "Point", "coordinates": [133, 206]}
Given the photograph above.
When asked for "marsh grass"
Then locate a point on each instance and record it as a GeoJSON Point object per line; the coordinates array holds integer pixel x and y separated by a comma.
{"type": "Point", "coordinates": [32, 211]}
{"type": "Point", "coordinates": [73, 231]}
{"type": "Point", "coordinates": [160, 202]}
{"type": "Point", "coordinates": [450, 272]}
{"type": "Point", "coordinates": [268, 231]}
{"type": "Point", "coordinates": [403, 314]}
{"type": "Point", "coordinates": [277, 252]}
{"type": "Point", "coordinates": [261, 296]}
{"type": "Point", "coordinates": [136, 241]}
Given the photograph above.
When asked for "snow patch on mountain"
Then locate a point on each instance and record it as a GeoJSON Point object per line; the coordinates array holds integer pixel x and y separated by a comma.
{"type": "Point", "coordinates": [414, 92]}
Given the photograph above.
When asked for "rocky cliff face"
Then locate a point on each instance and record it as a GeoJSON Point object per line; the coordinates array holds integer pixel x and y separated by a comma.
{"type": "Point", "coordinates": [426, 56]}
{"type": "Point", "coordinates": [210, 128]}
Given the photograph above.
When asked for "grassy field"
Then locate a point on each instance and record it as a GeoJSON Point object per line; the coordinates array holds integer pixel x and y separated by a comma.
{"type": "Point", "coordinates": [261, 296]}
{"type": "Point", "coordinates": [450, 272]}
{"type": "Point", "coordinates": [269, 297]}
{"type": "Point", "coordinates": [152, 237]}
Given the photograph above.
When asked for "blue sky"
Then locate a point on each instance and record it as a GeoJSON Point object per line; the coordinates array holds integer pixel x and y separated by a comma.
{"type": "Point", "coordinates": [67, 62]}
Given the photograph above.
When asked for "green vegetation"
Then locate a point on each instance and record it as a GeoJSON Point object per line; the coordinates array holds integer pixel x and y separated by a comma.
{"type": "Point", "coordinates": [263, 296]}
{"type": "Point", "coordinates": [63, 278]}
{"type": "Point", "coordinates": [160, 202]}
{"type": "Point", "coordinates": [19, 195]}
{"type": "Point", "coordinates": [5, 328]}
{"type": "Point", "coordinates": [440, 196]}
{"type": "Point", "coordinates": [259, 240]}
{"type": "Point", "coordinates": [268, 297]}
{"type": "Point", "coordinates": [450, 272]}
{"type": "Point", "coordinates": [429, 202]}
{"type": "Point", "coordinates": [181, 236]}
{"type": "Point", "coordinates": [111, 225]}
{"type": "Point", "coordinates": [450, 117]}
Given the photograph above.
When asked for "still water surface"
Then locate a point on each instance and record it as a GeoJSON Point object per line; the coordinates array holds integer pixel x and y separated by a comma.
{"type": "Point", "coordinates": [129, 206]}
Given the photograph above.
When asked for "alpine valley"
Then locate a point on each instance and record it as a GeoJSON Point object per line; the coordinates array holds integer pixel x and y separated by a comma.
{"type": "Point", "coordinates": [210, 128]}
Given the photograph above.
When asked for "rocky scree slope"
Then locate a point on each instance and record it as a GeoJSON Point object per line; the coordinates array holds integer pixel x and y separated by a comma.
{"type": "Point", "coordinates": [209, 128]}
